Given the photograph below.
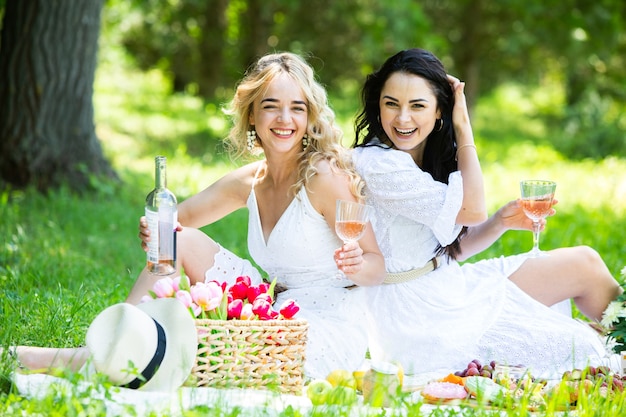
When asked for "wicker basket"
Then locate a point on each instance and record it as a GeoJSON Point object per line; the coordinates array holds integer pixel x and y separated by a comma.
{"type": "Point", "coordinates": [266, 354]}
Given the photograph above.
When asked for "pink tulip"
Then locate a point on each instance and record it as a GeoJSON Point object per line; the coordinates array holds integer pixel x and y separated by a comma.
{"type": "Point", "coordinates": [289, 308]}
{"type": "Point", "coordinates": [184, 297]}
{"type": "Point", "coordinates": [207, 295]}
{"type": "Point", "coordinates": [178, 285]}
{"type": "Point", "coordinates": [234, 309]}
{"type": "Point", "coordinates": [146, 298]}
{"type": "Point", "coordinates": [196, 309]}
{"type": "Point", "coordinates": [247, 313]}
{"type": "Point", "coordinates": [164, 288]}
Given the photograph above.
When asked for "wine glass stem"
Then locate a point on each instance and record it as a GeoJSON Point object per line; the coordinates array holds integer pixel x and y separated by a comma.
{"type": "Point", "coordinates": [536, 229]}
{"type": "Point", "coordinates": [340, 274]}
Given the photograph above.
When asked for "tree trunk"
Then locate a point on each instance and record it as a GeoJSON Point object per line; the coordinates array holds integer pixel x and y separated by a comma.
{"type": "Point", "coordinates": [47, 67]}
{"type": "Point", "coordinates": [211, 47]}
{"type": "Point", "coordinates": [257, 24]}
{"type": "Point", "coordinates": [468, 58]}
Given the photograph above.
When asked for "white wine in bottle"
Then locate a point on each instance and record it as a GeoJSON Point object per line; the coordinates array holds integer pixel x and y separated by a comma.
{"type": "Point", "coordinates": [162, 216]}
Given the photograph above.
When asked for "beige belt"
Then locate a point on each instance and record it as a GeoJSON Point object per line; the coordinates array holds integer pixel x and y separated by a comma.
{"type": "Point", "coordinates": [396, 278]}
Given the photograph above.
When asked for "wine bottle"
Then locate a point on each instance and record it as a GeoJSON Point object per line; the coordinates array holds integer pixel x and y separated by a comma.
{"type": "Point", "coordinates": [162, 217]}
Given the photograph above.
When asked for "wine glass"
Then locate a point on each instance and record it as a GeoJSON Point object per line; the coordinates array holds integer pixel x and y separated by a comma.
{"type": "Point", "coordinates": [350, 221]}
{"type": "Point", "coordinates": [537, 198]}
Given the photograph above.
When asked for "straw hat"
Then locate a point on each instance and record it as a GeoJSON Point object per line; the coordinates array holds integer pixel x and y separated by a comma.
{"type": "Point", "coordinates": [156, 339]}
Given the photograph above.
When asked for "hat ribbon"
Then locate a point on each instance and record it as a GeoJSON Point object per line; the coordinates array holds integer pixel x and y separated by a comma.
{"type": "Point", "coordinates": [155, 362]}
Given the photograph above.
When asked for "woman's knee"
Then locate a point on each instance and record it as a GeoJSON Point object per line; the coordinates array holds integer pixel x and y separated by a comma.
{"type": "Point", "coordinates": [190, 239]}
{"type": "Point", "coordinates": [195, 252]}
{"type": "Point", "coordinates": [590, 261]}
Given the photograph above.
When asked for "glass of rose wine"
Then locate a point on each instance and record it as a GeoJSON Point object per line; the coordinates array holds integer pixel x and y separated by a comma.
{"type": "Point", "coordinates": [537, 198]}
{"type": "Point", "coordinates": [351, 220]}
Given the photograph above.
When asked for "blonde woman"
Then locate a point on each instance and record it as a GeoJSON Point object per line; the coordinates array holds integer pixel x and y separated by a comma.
{"type": "Point", "coordinates": [281, 111]}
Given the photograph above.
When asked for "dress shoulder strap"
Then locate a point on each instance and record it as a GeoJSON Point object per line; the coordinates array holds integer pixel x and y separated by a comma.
{"type": "Point", "coordinates": [256, 175]}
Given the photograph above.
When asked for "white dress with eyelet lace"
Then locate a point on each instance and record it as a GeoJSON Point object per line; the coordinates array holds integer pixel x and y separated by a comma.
{"type": "Point", "coordinates": [457, 313]}
{"type": "Point", "coordinates": [299, 254]}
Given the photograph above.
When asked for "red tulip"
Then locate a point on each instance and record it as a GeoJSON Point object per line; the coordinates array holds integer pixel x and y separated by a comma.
{"type": "Point", "coordinates": [264, 296]}
{"type": "Point", "coordinates": [244, 279]}
{"type": "Point", "coordinates": [255, 290]}
{"type": "Point", "coordinates": [252, 293]}
{"type": "Point", "coordinates": [289, 308]}
{"type": "Point", "coordinates": [239, 290]}
{"type": "Point", "coordinates": [234, 309]}
{"type": "Point", "coordinates": [263, 309]}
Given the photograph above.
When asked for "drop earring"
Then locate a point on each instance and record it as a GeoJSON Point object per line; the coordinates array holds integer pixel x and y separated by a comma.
{"type": "Point", "coordinates": [440, 125]}
{"type": "Point", "coordinates": [251, 139]}
{"type": "Point", "coordinates": [305, 141]}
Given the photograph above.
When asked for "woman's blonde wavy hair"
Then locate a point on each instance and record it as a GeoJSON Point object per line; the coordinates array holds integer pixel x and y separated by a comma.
{"type": "Point", "coordinates": [324, 135]}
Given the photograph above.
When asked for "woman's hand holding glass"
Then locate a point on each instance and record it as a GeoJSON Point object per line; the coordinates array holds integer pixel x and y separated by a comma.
{"type": "Point", "coordinates": [351, 220]}
{"type": "Point", "coordinates": [511, 216]}
{"type": "Point", "coordinates": [537, 196]}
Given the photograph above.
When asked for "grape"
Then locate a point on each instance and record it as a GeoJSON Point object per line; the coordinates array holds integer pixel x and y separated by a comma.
{"type": "Point", "coordinates": [476, 368]}
{"type": "Point", "coordinates": [598, 375]}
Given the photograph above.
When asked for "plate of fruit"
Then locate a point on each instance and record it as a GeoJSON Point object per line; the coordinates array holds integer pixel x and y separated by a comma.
{"type": "Point", "coordinates": [494, 385]}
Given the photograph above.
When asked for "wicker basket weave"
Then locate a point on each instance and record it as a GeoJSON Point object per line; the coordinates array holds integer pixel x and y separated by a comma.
{"type": "Point", "coordinates": [265, 354]}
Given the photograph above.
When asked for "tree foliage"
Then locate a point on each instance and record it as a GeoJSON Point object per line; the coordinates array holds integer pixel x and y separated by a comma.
{"type": "Point", "coordinates": [576, 45]}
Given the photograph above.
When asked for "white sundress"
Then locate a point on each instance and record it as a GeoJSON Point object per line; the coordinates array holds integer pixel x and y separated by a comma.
{"type": "Point", "coordinates": [457, 313]}
{"type": "Point", "coordinates": [299, 254]}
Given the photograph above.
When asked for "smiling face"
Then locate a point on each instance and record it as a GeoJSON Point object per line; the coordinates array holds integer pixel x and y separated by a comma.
{"type": "Point", "coordinates": [408, 112]}
{"type": "Point", "coordinates": [280, 116]}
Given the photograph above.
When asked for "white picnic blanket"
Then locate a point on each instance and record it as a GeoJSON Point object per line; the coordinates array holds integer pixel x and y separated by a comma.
{"type": "Point", "coordinates": [248, 402]}
{"type": "Point", "coordinates": [117, 400]}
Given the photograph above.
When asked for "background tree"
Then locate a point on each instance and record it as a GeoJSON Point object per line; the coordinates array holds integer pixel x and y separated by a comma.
{"type": "Point", "coordinates": [47, 65]}
{"type": "Point", "coordinates": [574, 49]}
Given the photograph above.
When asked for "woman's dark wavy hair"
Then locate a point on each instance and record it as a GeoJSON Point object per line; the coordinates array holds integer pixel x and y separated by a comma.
{"type": "Point", "coordinates": [440, 151]}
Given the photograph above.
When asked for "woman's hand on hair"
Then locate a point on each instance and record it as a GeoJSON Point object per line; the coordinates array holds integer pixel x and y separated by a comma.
{"type": "Point", "coordinates": [460, 114]}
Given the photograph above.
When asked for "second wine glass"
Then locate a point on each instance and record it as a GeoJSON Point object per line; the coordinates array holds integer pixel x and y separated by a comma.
{"type": "Point", "coordinates": [537, 198]}
{"type": "Point", "coordinates": [350, 221]}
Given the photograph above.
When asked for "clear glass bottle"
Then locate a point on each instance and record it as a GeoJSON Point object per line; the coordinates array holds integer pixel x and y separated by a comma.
{"type": "Point", "coordinates": [381, 384]}
{"type": "Point", "coordinates": [162, 217]}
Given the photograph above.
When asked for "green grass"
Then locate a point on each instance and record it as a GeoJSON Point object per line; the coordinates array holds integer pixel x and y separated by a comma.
{"type": "Point", "coordinates": [63, 257]}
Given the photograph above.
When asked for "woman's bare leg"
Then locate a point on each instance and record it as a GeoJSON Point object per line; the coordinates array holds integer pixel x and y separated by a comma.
{"type": "Point", "coordinates": [46, 360]}
{"type": "Point", "coordinates": [577, 272]}
{"type": "Point", "coordinates": [196, 254]}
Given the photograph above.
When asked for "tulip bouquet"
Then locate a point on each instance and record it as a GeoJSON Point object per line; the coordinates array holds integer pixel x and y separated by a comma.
{"type": "Point", "coordinates": [243, 340]}
{"type": "Point", "coordinates": [219, 301]}
{"type": "Point", "coordinates": [614, 320]}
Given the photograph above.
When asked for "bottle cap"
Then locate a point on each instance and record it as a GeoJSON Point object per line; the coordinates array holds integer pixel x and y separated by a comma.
{"type": "Point", "coordinates": [384, 367]}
